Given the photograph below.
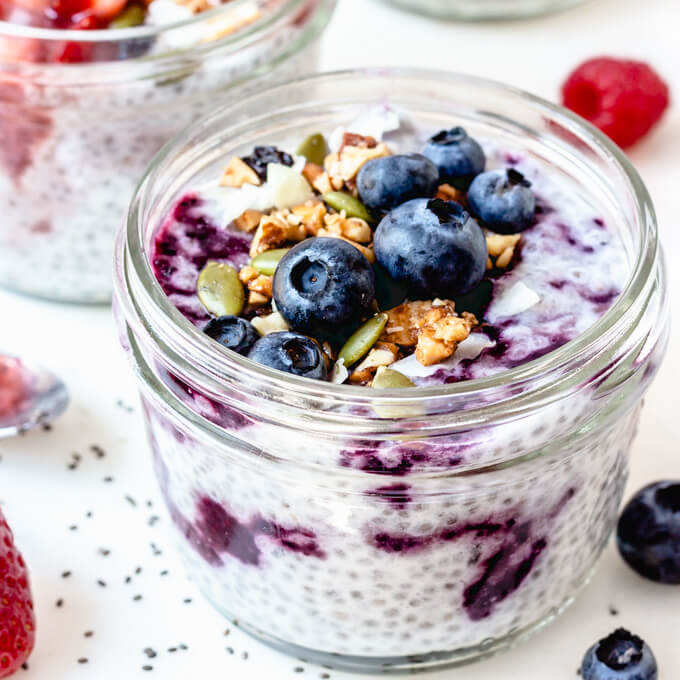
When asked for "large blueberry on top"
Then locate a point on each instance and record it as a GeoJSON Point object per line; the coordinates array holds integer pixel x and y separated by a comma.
{"type": "Point", "coordinates": [619, 656]}
{"type": "Point", "coordinates": [292, 353]}
{"type": "Point", "coordinates": [503, 201]}
{"type": "Point", "coordinates": [233, 332]}
{"type": "Point", "coordinates": [648, 533]}
{"type": "Point", "coordinates": [385, 183]}
{"type": "Point", "coordinates": [432, 246]}
{"type": "Point", "coordinates": [459, 158]}
{"type": "Point", "coordinates": [323, 287]}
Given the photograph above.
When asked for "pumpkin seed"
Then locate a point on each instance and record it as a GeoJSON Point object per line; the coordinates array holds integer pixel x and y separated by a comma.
{"type": "Point", "coordinates": [314, 148]}
{"type": "Point", "coordinates": [220, 290]}
{"type": "Point", "coordinates": [353, 207]}
{"type": "Point", "coordinates": [388, 378]}
{"type": "Point", "coordinates": [133, 15]}
{"type": "Point", "coordinates": [363, 339]}
{"type": "Point", "coordinates": [266, 262]}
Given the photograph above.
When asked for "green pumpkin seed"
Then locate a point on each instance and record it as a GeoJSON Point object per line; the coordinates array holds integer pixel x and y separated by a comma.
{"type": "Point", "coordinates": [266, 262]}
{"type": "Point", "coordinates": [220, 290]}
{"type": "Point", "coordinates": [363, 339]}
{"type": "Point", "coordinates": [133, 15]}
{"type": "Point", "coordinates": [387, 378]}
{"type": "Point", "coordinates": [314, 148]}
{"type": "Point", "coordinates": [353, 207]}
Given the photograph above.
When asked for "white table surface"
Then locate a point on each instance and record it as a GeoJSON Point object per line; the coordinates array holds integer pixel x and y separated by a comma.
{"type": "Point", "coordinates": [43, 498]}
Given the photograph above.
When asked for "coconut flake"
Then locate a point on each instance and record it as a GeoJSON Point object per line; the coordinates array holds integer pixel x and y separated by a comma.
{"type": "Point", "coordinates": [237, 201]}
{"type": "Point", "coordinates": [375, 122]}
{"type": "Point", "coordinates": [515, 300]}
{"type": "Point", "coordinates": [340, 372]}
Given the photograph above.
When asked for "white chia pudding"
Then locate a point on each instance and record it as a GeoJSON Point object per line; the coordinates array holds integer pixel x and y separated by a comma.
{"type": "Point", "coordinates": [81, 121]}
{"type": "Point", "coordinates": [369, 532]}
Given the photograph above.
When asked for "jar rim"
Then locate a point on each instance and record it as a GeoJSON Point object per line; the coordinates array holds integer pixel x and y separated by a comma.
{"type": "Point", "coordinates": [110, 35]}
{"type": "Point", "coordinates": [214, 359]}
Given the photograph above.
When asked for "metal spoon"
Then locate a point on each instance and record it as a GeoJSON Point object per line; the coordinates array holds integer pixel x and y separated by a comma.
{"type": "Point", "coordinates": [30, 396]}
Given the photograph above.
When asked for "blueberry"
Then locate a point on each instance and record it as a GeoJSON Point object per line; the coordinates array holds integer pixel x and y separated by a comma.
{"type": "Point", "coordinates": [385, 183]}
{"type": "Point", "coordinates": [432, 246]}
{"type": "Point", "coordinates": [503, 201]}
{"type": "Point", "coordinates": [292, 353]}
{"type": "Point", "coordinates": [458, 157]}
{"type": "Point", "coordinates": [648, 534]}
{"type": "Point", "coordinates": [233, 332]}
{"type": "Point", "coordinates": [620, 656]}
{"type": "Point", "coordinates": [323, 287]}
{"type": "Point", "coordinates": [262, 156]}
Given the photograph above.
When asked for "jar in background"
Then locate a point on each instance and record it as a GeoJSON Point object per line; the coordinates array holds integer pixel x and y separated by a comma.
{"type": "Point", "coordinates": [76, 137]}
{"type": "Point", "coordinates": [470, 10]}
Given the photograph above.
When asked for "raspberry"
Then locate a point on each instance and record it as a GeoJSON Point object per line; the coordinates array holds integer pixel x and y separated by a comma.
{"type": "Point", "coordinates": [17, 622]}
{"type": "Point", "coordinates": [623, 98]}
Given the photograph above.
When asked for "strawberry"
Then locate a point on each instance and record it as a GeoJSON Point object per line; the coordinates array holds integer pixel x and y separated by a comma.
{"type": "Point", "coordinates": [17, 620]}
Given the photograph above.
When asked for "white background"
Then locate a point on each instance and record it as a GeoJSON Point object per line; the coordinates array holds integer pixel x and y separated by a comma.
{"type": "Point", "coordinates": [42, 497]}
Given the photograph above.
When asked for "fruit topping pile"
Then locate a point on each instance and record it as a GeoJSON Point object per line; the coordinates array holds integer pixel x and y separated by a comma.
{"type": "Point", "coordinates": [88, 15]}
{"type": "Point", "coordinates": [367, 257]}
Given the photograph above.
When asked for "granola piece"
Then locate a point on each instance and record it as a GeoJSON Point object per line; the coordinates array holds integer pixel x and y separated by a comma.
{"type": "Point", "coordinates": [237, 173]}
{"type": "Point", "coordinates": [438, 341]}
{"type": "Point", "coordinates": [449, 193]}
{"type": "Point", "coordinates": [247, 221]}
{"type": "Point", "coordinates": [352, 228]}
{"type": "Point", "coordinates": [248, 274]}
{"type": "Point", "coordinates": [256, 299]}
{"type": "Point", "coordinates": [344, 166]}
{"type": "Point", "coordinates": [405, 321]}
{"type": "Point", "coordinates": [362, 141]}
{"type": "Point", "coordinates": [382, 354]}
{"type": "Point", "coordinates": [431, 326]}
{"type": "Point", "coordinates": [501, 249]}
{"type": "Point", "coordinates": [263, 285]}
{"type": "Point", "coordinates": [312, 215]}
{"type": "Point", "coordinates": [366, 251]}
{"type": "Point", "coordinates": [323, 183]}
{"type": "Point", "coordinates": [311, 172]}
{"type": "Point", "coordinates": [276, 229]}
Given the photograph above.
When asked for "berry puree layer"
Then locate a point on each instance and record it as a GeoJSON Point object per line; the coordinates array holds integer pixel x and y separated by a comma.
{"type": "Point", "coordinates": [388, 418]}
{"type": "Point", "coordinates": [82, 113]}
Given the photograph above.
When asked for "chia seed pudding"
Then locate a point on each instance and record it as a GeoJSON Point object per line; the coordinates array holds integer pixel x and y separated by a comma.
{"type": "Point", "coordinates": [457, 491]}
{"type": "Point", "coordinates": [82, 112]}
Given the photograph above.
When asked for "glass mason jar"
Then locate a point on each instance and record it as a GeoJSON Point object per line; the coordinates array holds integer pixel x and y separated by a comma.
{"type": "Point", "coordinates": [76, 137]}
{"type": "Point", "coordinates": [372, 529]}
{"type": "Point", "coordinates": [485, 9]}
